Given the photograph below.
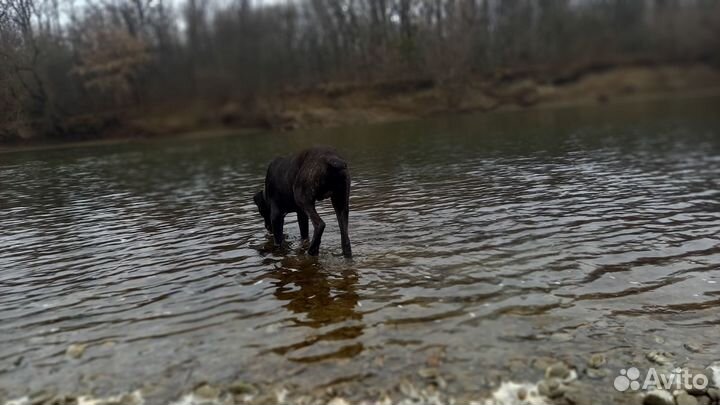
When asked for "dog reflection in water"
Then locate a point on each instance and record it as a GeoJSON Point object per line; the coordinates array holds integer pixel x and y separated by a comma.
{"type": "Point", "coordinates": [320, 297]}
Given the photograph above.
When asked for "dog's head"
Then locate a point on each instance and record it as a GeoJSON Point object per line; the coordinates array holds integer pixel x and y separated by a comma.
{"type": "Point", "coordinates": [264, 208]}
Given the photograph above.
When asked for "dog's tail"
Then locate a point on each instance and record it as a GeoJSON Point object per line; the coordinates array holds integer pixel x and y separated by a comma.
{"type": "Point", "coordinates": [336, 163]}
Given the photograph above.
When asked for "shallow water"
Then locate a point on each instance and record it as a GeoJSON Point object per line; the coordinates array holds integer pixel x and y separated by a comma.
{"type": "Point", "coordinates": [480, 242]}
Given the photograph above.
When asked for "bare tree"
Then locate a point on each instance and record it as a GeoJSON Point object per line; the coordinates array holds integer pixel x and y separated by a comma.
{"type": "Point", "coordinates": [61, 58]}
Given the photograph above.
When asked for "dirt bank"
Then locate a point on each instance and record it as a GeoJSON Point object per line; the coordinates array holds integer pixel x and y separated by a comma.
{"type": "Point", "coordinates": [341, 104]}
{"type": "Point", "coordinates": [361, 103]}
{"type": "Point", "coordinates": [357, 104]}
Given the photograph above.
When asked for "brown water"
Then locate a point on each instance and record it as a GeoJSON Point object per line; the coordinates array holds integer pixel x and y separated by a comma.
{"type": "Point", "coordinates": [480, 243]}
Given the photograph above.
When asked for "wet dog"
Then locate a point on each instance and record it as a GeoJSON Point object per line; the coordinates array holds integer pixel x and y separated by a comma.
{"type": "Point", "coordinates": [295, 182]}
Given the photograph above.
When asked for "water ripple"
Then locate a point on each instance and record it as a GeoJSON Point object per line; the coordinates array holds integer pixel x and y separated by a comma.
{"type": "Point", "coordinates": [153, 255]}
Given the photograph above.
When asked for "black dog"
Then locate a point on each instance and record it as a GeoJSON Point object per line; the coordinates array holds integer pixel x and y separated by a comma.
{"type": "Point", "coordinates": [294, 183]}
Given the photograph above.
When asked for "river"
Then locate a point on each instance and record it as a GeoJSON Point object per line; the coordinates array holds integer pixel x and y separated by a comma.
{"type": "Point", "coordinates": [482, 244]}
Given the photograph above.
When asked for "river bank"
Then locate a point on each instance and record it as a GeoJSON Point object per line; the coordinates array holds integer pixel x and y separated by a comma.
{"type": "Point", "coordinates": [559, 381]}
{"type": "Point", "coordinates": [340, 104]}
{"type": "Point", "coordinates": [336, 105]}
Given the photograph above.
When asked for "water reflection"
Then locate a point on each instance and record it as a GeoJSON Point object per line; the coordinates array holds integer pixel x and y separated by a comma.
{"type": "Point", "coordinates": [320, 296]}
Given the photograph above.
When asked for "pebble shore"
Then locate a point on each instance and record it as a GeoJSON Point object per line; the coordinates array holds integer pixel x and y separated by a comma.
{"type": "Point", "coordinates": [561, 384]}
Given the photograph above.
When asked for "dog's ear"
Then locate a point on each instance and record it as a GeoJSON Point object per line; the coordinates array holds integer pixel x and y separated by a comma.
{"type": "Point", "coordinates": [262, 205]}
{"type": "Point", "coordinates": [259, 199]}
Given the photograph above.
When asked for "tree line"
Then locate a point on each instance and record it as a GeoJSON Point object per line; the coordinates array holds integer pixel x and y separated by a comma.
{"type": "Point", "coordinates": [63, 58]}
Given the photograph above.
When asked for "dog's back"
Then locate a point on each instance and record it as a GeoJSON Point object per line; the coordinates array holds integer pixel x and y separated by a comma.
{"type": "Point", "coordinates": [322, 172]}
{"type": "Point", "coordinates": [319, 155]}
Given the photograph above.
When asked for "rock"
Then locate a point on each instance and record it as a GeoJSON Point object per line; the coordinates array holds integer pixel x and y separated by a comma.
{"type": "Point", "coordinates": [281, 395]}
{"type": "Point", "coordinates": [579, 397]}
{"type": "Point", "coordinates": [76, 350]}
{"type": "Point", "coordinates": [507, 393]}
{"type": "Point", "coordinates": [264, 398]}
{"type": "Point", "coordinates": [596, 374]}
{"type": "Point", "coordinates": [408, 389]}
{"type": "Point", "coordinates": [597, 360]}
{"type": "Point", "coordinates": [683, 398]}
{"type": "Point", "coordinates": [661, 358]}
{"type": "Point", "coordinates": [561, 337]}
{"type": "Point", "coordinates": [714, 394]}
{"type": "Point", "coordinates": [551, 388]}
{"type": "Point", "coordinates": [125, 399]}
{"type": "Point", "coordinates": [242, 388]}
{"type": "Point", "coordinates": [206, 391]}
{"type": "Point", "coordinates": [557, 370]}
{"type": "Point", "coordinates": [522, 394]}
{"type": "Point", "coordinates": [41, 397]}
{"type": "Point", "coordinates": [384, 400]}
{"type": "Point", "coordinates": [435, 358]}
{"type": "Point", "coordinates": [542, 363]}
{"type": "Point", "coordinates": [440, 382]}
{"type": "Point", "coordinates": [299, 400]}
{"type": "Point", "coordinates": [714, 372]}
{"type": "Point", "coordinates": [543, 388]}
{"type": "Point", "coordinates": [62, 400]}
{"type": "Point", "coordinates": [338, 401]}
{"type": "Point", "coordinates": [703, 400]}
{"type": "Point", "coordinates": [577, 394]}
{"type": "Point", "coordinates": [658, 397]}
{"type": "Point", "coordinates": [694, 374]}
{"type": "Point", "coordinates": [692, 347]}
{"type": "Point", "coordinates": [428, 372]}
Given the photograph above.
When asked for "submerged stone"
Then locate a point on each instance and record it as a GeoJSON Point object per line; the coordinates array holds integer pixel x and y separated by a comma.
{"type": "Point", "coordinates": [557, 370]}
{"type": "Point", "coordinates": [76, 350]}
{"type": "Point", "coordinates": [338, 401]}
{"type": "Point", "coordinates": [242, 388]}
{"type": "Point", "coordinates": [658, 397]}
{"type": "Point", "coordinates": [692, 347]}
{"type": "Point", "coordinates": [659, 357]}
{"type": "Point", "coordinates": [597, 360]}
{"type": "Point", "coordinates": [551, 388]}
{"type": "Point", "coordinates": [714, 394]}
{"type": "Point", "coordinates": [207, 391]}
{"type": "Point", "coordinates": [683, 398]}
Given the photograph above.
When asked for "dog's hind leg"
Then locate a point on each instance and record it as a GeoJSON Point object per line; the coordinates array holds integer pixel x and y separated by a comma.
{"type": "Point", "coordinates": [303, 224]}
{"type": "Point", "coordinates": [318, 225]}
{"type": "Point", "coordinates": [341, 205]}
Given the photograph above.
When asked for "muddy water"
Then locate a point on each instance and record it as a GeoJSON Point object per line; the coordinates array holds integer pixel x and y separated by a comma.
{"type": "Point", "coordinates": [482, 244]}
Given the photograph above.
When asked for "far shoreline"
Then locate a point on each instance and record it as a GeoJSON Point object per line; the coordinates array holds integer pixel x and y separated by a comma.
{"type": "Point", "coordinates": [318, 108]}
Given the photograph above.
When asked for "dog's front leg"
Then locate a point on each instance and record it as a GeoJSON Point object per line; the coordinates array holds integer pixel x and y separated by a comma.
{"type": "Point", "coordinates": [304, 226]}
{"type": "Point", "coordinates": [277, 219]}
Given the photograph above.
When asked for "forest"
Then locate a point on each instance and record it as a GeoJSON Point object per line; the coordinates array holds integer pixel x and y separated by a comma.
{"type": "Point", "coordinates": [84, 69]}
